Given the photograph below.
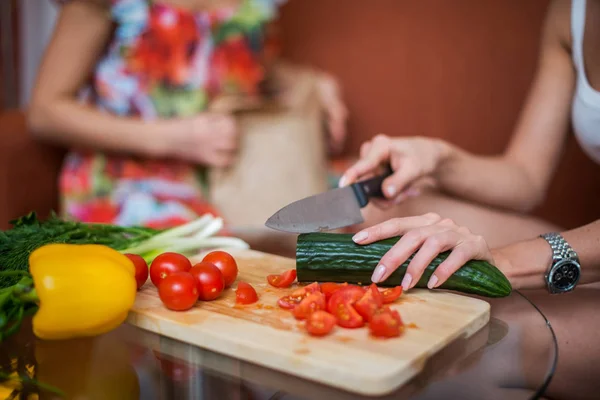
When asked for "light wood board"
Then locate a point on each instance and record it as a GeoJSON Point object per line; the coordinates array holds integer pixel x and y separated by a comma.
{"type": "Point", "coordinates": [347, 359]}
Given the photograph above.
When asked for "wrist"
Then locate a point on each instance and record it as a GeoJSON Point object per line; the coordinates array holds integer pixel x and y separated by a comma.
{"type": "Point", "coordinates": [166, 137]}
{"type": "Point", "coordinates": [524, 263]}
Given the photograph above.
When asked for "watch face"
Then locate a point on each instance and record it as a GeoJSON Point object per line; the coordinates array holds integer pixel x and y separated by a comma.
{"type": "Point", "coordinates": [564, 275]}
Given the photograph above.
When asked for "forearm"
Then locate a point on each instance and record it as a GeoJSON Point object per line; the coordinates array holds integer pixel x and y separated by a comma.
{"type": "Point", "coordinates": [70, 123]}
{"type": "Point", "coordinates": [525, 263]}
{"type": "Point", "coordinates": [491, 180]}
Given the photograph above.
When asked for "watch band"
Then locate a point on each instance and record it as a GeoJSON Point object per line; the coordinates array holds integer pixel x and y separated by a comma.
{"type": "Point", "coordinates": [560, 248]}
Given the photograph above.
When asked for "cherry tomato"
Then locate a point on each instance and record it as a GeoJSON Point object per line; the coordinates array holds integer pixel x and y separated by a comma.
{"type": "Point", "coordinates": [386, 323]}
{"type": "Point", "coordinates": [209, 279]}
{"type": "Point", "coordinates": [391, 294]}
{"type": "Point", "coordinates": [167, 263]}
{"type": "Point", "coordinates": [320, 323]}
{"type": "Point", "coordinates": [141, 269]}
{"type": "Point", "coordinates": [328, 288]}
{"type": "Point", "coordinates": [245, 294]}
{"type": "Point", "coordinates": [284, 280]}
{"type": "Point", "coordinates": [369, 303]}
{"type": "Point", "coordinates": [178, 291]}
{"type": "Point", "coordinates": [340, 305]}
{"type": "Point", "coordinates": [349, 294]}
{"type": "Point", "coordinates": [311, 303]}
{"type": "Point", "coordinates": [226, 263]}
{"type": "Point", "coordinates": [292, 300]}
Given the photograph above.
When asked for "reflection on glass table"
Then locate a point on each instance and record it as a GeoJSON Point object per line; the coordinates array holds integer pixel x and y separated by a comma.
{"type": "Point", "coordinates": [513, 356]}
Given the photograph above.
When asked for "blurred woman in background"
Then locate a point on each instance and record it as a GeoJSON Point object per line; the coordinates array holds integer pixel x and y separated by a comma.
{"type": "Point", "coordinates": [135, 89]}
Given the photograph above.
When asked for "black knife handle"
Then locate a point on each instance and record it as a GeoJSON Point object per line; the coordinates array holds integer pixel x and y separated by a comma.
{"type": "Point", "coordinates": [371, 187]}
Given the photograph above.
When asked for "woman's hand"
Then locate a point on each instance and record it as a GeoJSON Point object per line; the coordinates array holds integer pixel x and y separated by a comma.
{"type": "Point", "coordinates": [427, 235]}
{"type": "Point", "coordinates": [413, 160]}
{"type": "Point", "coordinates": [335, 110]}
{"type": "Point", "coordinates": [210, 139]}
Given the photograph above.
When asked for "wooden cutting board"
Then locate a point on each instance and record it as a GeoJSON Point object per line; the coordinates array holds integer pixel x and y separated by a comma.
{"type": "Point", "coordinates": [347, 359]}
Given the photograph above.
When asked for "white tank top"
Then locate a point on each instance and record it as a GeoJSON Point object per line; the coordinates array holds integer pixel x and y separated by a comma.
{"type": "Point", "coordinates": [586, 102]}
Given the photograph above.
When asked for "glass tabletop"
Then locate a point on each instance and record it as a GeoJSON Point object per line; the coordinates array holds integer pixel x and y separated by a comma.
{"type": "Point", "coordinates": [513, 356]}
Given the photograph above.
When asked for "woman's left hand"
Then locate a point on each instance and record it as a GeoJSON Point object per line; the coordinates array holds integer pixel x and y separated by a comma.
{"type": "Point", "coordinates": [427, 235]}
{"type": "Point", "coordinates": [335, 110]}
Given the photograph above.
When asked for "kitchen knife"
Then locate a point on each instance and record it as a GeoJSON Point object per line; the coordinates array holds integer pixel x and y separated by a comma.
{"type": "Point", "coordinates": [334, 209]}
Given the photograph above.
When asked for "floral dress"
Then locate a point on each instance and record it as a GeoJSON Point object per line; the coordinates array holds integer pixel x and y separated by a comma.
{"type": "Point", "coordinates": [163, 62]}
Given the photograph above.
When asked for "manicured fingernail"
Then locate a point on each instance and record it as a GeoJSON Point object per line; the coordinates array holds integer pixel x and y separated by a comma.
{"type": "Point", "coordinates": [360, 237]}
{"type": "Point", "coordinates": [406, 281]}
{"type": "Point", "coordinates": [432, 282]}
{"type": "Point", "coordinates": [391, 190]}
{"type": "Point", "coordinates": [413, 192]}
{"type": "Point", "coordinates": [378, 273]}
{"type": "Point", "coordinates": [342, 181]}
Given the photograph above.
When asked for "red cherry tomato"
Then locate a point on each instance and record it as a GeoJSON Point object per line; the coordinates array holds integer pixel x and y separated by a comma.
{"type": "Point", "coordinates": [178, 291]}
{"type": "Point", "coordinates": [209, 279]}
{"type": "Point", "coordinates": [320, 323]}
{"type": "Point", "coordinates": [386, 323]}
{"type": "Point", "coordinates": [340, 305]}
{"type": "Point", "coordinates": [391, 294]}
{"type": "Point", "coordinates": [284, 280]}
{"type": "Point", "coordinates": [167, 263]}
{"type": "Point", "coordinates": [328, 288]}
{"type": "Point", "coordinates": [369, 303]}
{"type": "Point", "coordinates": [245, 294]}
{"type": "Point", "coordinates": [226, 263]}
{"type": "Point", "coordinates": [311, 303]}
{"type": "Point", "coordinates": [292, 300]}
{"type": "Point", "coordinates": [141, 269]}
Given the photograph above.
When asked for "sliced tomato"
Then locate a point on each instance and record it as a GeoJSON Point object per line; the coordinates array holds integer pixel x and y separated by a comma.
{"type": "Point", "coordinates": [391, 294]}
{"type": "Point", "coordinates": [386, 323]}
{"type": "Point", "coordinates": [311, 303]}
{"type": "Point", "coordinates": [284, 280]}
{"type": "Point", "coordinates": [349, 294]}
{"type": "Point", "coordinates": [245, 294]}
{"type": "Point", "coordinates": [328, 288]}
{"type": "Point", "coordinates": [347, 317]}
{"type": "Point", "coordinates": [313, 287]}
{"type": "Point", "coordinates": [369, 303]}
{"type": "Point", "coordinates": [292, 300]}
{"type": "Point", "coordinates": [320, 323]}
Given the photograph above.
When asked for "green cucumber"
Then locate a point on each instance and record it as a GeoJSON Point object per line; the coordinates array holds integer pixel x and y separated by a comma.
{"type": "Point", "coordinates": [334, 257]}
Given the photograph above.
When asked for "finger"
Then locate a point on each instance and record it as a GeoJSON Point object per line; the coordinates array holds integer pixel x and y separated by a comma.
{"type": "Point", "coordinates": [400, 252]}
{"type": "Point", "coordinates": [364, 149]}
{"type": "Point", "coordinates": [394, 227]}
{"type": "Point", "coordinates": [378, 153]}
{"type": "Point", "coordinates": [474, 249]}
{"type": "Point", "coordinates": [223, 158]}
{"type": "Point", "coordinates": [402, 178]}
{"type": "Point", "coordinates": [432, 247]}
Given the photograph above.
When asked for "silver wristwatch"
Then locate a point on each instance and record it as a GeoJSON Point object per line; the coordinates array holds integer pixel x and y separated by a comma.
{"type": "Point", "coordinates": [564, 272]}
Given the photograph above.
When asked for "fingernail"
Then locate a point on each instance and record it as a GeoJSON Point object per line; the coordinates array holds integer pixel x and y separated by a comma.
{"type": "Point", "coordinates": [342, 181]}
{"type": "Point", "coordinates": [432, 282]}
{"type": "Point", "coordinates": [391, 190]}
{"type": "Point", "coordinates": [406, 281]}
{"type": "Point", "coordinates": [413, 192]}
{"type": "Point", "coordinates": [360, 237]}
{"type": "Point", "coordinates": [378, 273]}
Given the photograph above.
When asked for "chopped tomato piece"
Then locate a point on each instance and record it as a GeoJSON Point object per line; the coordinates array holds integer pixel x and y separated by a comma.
{"type": "Point", "coordinates": [320, 323]}
{"type": "Point", "coordinates": [311, 303]}
{"type": "Point", "coordinates": [292, 300]}
{"type": "Point", "coordinates": [386, 323]}
{"type": "Point", "coordinates": [328, 288]}
{"type": "Point", "coordinates": [346, 315]}
{"type": "Point", "coordinates": [349, 294]}
{"type": "Point", "coordinates": [369, 303]}
{"type": "Point", "coordinates": [245, 294]}
{"type": "Point", "coordinates": [391, 294]}
{"type": "Point", "coordinates": [284, 280]}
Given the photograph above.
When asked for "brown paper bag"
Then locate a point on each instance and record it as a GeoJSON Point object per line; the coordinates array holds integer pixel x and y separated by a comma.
{"type": "Point", "coordinates": [282, 157]}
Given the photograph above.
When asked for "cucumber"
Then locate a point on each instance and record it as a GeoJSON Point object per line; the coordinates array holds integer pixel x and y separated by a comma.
{"type": "Point", "coordinates": [334, 257]}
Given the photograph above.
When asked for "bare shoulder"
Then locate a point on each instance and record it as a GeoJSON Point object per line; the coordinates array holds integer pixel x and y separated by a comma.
{"type": "Point", "coordinates": [557, 27]}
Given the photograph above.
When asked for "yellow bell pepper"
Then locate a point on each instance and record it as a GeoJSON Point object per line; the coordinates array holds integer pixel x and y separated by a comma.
{"type": "Point", "coordinates": [83, 290]}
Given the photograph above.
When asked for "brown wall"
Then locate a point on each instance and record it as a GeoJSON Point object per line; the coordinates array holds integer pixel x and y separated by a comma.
{"type": "Point", "coordinates": [457, 70]}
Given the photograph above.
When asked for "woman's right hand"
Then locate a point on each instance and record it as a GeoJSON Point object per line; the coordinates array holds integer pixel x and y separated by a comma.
{"type": "Point", "coordinates": [414, 160]}
{"type": "Point", "coordinates": [209, 139]}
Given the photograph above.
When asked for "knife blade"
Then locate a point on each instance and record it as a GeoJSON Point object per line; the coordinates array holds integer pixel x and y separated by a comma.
{"type": "Point", "coordinates": [334, 209]}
